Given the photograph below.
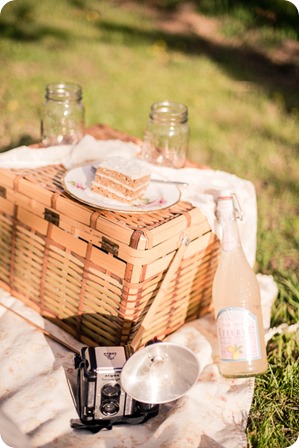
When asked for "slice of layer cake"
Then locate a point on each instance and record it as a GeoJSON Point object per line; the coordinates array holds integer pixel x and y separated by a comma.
{"type": "Point", "coordinates": [121, 179]}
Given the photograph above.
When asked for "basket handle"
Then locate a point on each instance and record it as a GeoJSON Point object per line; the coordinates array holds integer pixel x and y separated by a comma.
{"type": "Point", "coordinates": [160, 295]}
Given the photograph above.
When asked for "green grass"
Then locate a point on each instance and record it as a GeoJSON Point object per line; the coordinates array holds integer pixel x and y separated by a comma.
{"type": "Point", "coordinates": [244, 118]}
{"type": "Point", "coordinates": [273, 419]}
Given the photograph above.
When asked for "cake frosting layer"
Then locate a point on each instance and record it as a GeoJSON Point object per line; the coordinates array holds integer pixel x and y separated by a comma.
{"type": "Point", "coordinates": [121, 179]}
{"type": "Point", "coordinates": [131, 168]}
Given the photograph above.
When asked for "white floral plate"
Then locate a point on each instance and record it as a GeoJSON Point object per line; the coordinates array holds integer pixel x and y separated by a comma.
{"type": "Point", "coordinates": [157, 196]}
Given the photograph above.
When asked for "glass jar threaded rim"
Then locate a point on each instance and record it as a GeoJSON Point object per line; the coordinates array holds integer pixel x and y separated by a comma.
{"type": "Point", "coordinates": [63, 91]}
{"type": "Point", "coordinates": [166, 112]}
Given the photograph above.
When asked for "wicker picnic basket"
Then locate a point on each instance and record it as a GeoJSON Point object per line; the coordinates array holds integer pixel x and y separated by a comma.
{"type": "Point", "coordinates": [95, 273]}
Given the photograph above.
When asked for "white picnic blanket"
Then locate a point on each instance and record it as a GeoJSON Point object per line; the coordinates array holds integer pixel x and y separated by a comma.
{"type": "Point", "coordinates": [37, 375]}
{"type": "Point", "coordinates": [37, 378]}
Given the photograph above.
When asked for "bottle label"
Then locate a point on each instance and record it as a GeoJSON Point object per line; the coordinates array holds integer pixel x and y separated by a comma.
{"type": "Point", "coordinates": [238, 335]}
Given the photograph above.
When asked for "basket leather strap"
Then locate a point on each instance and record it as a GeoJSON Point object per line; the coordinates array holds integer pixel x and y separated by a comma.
{"type": "Point", "coordinates": [145, 324]}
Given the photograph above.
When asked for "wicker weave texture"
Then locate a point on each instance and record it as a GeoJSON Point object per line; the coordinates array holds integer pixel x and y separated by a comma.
{"type": "Point", "coordinates": [93, 272]}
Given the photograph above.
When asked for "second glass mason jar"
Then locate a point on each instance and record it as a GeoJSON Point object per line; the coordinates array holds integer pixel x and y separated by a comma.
{"type": "Point", "coordinates": [167, 134]}
{"type": "Point", "coordinates": [62, 118]}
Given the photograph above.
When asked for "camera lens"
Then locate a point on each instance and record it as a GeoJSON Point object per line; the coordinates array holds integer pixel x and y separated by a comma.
{"type": "Point", "coordinates": [110, 390]}
{"type": "Point", "coordinates": [110, 407]}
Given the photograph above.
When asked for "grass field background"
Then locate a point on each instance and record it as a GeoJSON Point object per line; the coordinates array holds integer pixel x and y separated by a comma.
{"type": "Point", "coordinates": [236, 67]}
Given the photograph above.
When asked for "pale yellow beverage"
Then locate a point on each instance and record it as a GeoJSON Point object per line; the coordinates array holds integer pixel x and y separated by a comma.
{"type": "Point", "coordinates": [237, 303]}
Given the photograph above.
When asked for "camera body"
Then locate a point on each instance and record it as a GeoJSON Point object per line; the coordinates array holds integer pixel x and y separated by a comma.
{"type": "Point", "coordinates": [100, 397]}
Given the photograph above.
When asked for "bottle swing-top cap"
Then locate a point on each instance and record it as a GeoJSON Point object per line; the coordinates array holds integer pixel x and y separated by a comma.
{"type": "Point", "coordinates": [228, 204]}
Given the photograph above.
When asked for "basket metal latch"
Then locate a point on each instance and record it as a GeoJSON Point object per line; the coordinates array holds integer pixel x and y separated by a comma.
{"type": "Point", "coordinates": [109, 246]}
{"type": "Point", "coordinates": [51, 217]}
{"type": "Point", "coordinates": [3, 192]}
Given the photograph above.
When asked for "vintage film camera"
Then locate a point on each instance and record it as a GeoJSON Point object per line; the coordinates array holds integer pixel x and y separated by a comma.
{"type": "Point", "coordinates": [100, 399]}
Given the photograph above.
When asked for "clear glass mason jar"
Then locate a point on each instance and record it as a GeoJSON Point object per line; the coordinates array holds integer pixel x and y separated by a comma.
{"type": "Point", "coordinates": [62, 117]}
{"type": "Point", "coordinates": [166, 135]}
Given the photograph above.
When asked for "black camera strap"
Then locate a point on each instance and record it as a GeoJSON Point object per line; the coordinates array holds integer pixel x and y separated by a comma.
{"type": "Point", "coordinates": [134, 419]}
